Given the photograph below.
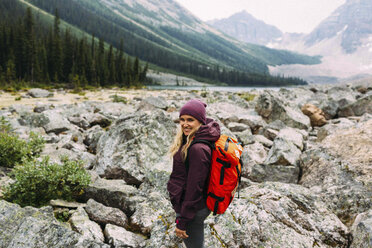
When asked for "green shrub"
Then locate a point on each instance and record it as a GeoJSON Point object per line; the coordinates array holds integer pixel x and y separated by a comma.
{"type": "Point", "coordinates": [116, 98]}
{"type": "Point", "coordinates": [14, 150]}
{"type": "Point", "coordinates": [38, 182]}
{"type": "Point", "coordinates": [4, 125]}
{"type": "Point", "coordinates": [247, 96]}
{"type": "Point", "coordinates": [35, 144]}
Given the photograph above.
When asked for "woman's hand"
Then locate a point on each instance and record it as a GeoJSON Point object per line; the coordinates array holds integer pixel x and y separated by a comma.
{"type": "Point", "coordinates": [181, 233]}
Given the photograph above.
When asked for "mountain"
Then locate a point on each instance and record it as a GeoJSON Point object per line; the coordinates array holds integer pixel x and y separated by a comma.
{"type": "Point", "coordinates": [344, 40]}
{"type": "Point", "coordinates": [165, 34]}
{"type": "Point", "coordinates": [244, 27]}
{"type": "Point", "coordinates": [352, 21]}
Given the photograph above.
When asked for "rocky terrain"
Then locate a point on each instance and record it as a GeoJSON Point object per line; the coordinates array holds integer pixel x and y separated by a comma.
{"type": "Point", "coordinates": [307, 178]}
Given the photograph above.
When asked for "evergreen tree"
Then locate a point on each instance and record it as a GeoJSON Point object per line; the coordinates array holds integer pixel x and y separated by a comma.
{"type": "Point", "coordinates": [29, 46]}
{"type": "Point", "coordinates": [10, 75]}
{"type": "Point", "coordinates": [56, 50]}
{"type": "Point", "coordinates": [19, 51]}
{"type": "Point", "coordinates": [136, 70]}
{"type": "Point", "coordinates": [111, 66]}
{"type": "Point", "coordinates": [68, 55]}
{"type": "Point", "coordinates": [120, 64]}
{"type": "Point", "coordinates": [128, 72]}
{"type": "Point", "coordinates": [101, 63]}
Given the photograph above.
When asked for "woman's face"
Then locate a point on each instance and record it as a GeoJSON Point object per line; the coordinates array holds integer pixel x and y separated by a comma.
{"type": "Point", "coordinates": [189, 124]}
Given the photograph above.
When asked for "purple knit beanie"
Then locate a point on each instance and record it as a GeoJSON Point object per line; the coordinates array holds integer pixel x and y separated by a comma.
{"type": "Point", "coordinates": [195, 108]}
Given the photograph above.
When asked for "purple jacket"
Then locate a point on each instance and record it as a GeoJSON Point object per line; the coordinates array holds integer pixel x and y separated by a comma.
{"type": "Point", "coordinates": [187, 190]}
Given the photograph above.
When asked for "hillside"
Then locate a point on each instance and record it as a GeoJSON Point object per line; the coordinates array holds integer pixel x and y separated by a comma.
{"type": "Point", "coordinates": [167, 35]}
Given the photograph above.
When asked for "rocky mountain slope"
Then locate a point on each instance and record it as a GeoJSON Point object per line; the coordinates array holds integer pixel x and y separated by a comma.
{"type": "Point", "coordinates": [352, 21]}
{"type": "Point", "coordinates": [344, 40]}
{"type": "Point", "coordinates": [304, 185]}
{"type": "Point", "coordinates": [244, 27]}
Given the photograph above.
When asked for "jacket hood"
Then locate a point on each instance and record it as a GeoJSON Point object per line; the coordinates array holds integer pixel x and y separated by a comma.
{"type": "Point", "coordinates": [210, 131]}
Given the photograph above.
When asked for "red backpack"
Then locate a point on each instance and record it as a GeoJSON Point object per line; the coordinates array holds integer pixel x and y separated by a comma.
{"type": "Point", "coordinates": [225, 172]}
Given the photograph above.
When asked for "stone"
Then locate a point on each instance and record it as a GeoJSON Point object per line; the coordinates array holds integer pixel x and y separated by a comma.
{"type": "Point", "coordinates": [39, 93]}
{"type": "Point", "coordinates": [97, 119]}
{"type": "Point", "coordinates": [105, 215]}
{"type": "Point", "coordinates": [66, 204]}
{"type": "Point", "coordinates": [252, 155]}
{"type": "Point", "coordinates": [272, 108]}
{"type": "Point", "coordinates": [91, 139]}
{"type": "Point", "coordinates": [361, 106]}
{"type": "Point", "coordinates": [151, 103]}
{"type": "Point", "coordinates": [56, 122]}
{"type": "Point", "coordinates": [331, 127]}
{"type": "Point", "coordinates": [113, 193]}
{"type": "Point", "coordinates": [283, 152]}
{"type": "Point", "coordinates": [316, 115]}
{"type": "Point", "coordinates": [39, 108]}
{"type": "Point", "coordinates": [81, 223]}
{"type": "Point", "coordinates": [270, 133]}
{"type": "Point", "coordinates": [120, 237]}
{"type": "Point", "coordinates": [238, 127]}
{"type": "Point", "coordinates": [245, 137]}
{"type": "Point", "coordinates": [339, 171]}
{"type": "Point", "coordinates": [362, 230]}
{"type": "Point", "coordinates": [33, 227]}
{"type": "Point", "coordinates": [79, 121]}
{"type": "Point", "coordinates": [132, 145]}
{"type": "Point", "coordinates": [148, 211]}
{"type": "Point", "coordinates": [292, 135]}
{"type": "Point", "coordinates": [263, 140]}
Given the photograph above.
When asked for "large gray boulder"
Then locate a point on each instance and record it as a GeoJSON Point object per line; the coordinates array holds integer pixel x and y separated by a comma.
{"type": "Point", "coordinates": [36, 92]}
{"type": "Point", "coordinates": [152, 103]}
{"type": "Point", "coordinates": [133, 144]}
{"type": "Point", "coordinates": [57, 122]}
{"type": "Point", "coordinates": [272, 108]}
{"type": "Point", "coordinates": [293, 135]}
{"type": "Point", "coordinates": [362, 230]}
{"type": "Point", "coordinates": [361, 106]}
{"type": "Point", "coordinates": [253, 155]}
{"type": "Point", "coordinates": [341, 95]}
{"type": "Point", "coordinates": [149, 211]}
{"type": "Point", "coordinates": [340, 172]}
{"type": "Point", "coordinates": [228, 112]}
{"type": "Point", "coordinates": [120, 237]}
{"type": "Point", "coordinates": [81, 223]}
{"type": "Point", "coordinates": [105, 215]}
{"type": "Point", "coordinates": [332, 127]}
{"type": "Point", "coordinates": [285, 155]}
{"type": "Point", "coordinates": [92, 137]}
{"type": "Point", "coordinates": [114, 193]}
{"type": "Point", "coordinates": [31, 227]}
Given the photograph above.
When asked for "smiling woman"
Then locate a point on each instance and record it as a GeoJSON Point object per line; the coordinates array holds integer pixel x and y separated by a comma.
{"type": "Point", "coordinates": [187, 186]}
{"type": "Point", "coordinates": [189, 124]}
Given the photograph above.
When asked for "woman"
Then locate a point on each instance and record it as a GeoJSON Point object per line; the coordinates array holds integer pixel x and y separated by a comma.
{"type": "Point", "coordinates": [187, 185]}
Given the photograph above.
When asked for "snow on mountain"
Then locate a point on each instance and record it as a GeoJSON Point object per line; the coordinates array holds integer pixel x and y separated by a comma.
{"type": "Point", "coordinates": [344, 40]}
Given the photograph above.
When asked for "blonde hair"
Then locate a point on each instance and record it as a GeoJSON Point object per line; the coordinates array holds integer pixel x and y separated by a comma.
{"type": "Point", "coordinates": [178, 140]}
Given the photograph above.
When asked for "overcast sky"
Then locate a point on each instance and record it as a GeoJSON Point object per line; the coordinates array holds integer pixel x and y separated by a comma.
{"type": "Point", "coordinates": [288, 15]}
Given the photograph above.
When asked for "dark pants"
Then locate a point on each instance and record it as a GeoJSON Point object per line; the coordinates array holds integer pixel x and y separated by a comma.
{"type": "Point", "coordinates": [195, 229]}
